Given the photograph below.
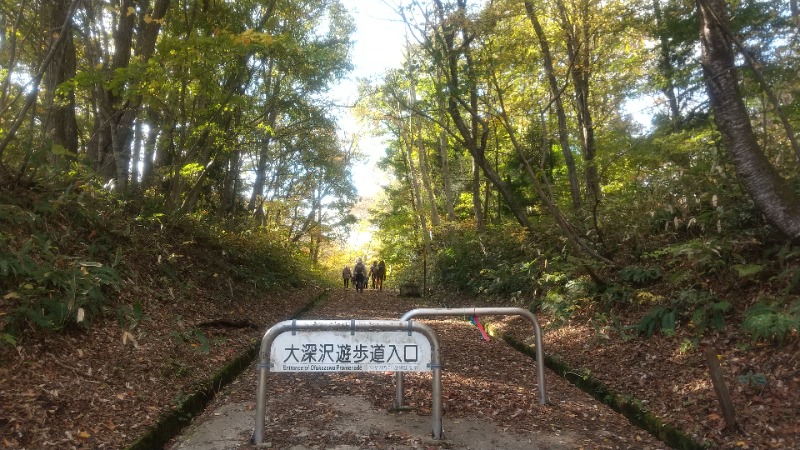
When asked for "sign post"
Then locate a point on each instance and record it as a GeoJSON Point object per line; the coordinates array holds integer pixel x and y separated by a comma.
{"type": "Point", "coordinates": [349, 346]}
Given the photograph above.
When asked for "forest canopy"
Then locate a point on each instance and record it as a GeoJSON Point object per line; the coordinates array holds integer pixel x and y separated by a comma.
{"type": "Point", "coordinates": [216, 109]}
{"type": "Point", "coordinates": [527, 141]}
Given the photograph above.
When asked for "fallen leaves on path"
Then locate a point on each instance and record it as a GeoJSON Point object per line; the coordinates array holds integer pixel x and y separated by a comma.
{"type": "Point", "coordinates": [484, 380]}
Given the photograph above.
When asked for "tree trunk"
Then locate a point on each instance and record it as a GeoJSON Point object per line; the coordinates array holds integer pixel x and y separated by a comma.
{"type": "Point", "coordinates": [424, 169]}
{"type": "Point", "coordinates": [770, 193]}
{"type": "Point", "coordinates": [444, 154]}
{"type": "Point", "coordinates": [477, 208]}
{"type": "Point", "coordinates": [10, 51]}
{"type": "Point", "coordinates": [118, 119]}
{"type": "Point", "coordinates": [575, 240]}
{"type": "Point", "coordinates": [120, 146]}
{"type": "Point", "coordinates": [137, 146]}
{"type": "Point", "coordinates": [473, 129]}
{"type": "Point", "coordinates": [412, 176]}
{"type": "Point", "coordinates": [229, 195]}
{"type": "Point", "coordinates": [149, 153]}
{"type": "Point", "coordinates": [555, 92]}
{"type": "Point", "coordinates": [273, 83]}
{"type": "Point", "coordinates": [33, 93]}
{"type": "Point", "coordinates": [578, 41]}
{"type": "Point", "coordinates": [61, 125]}
{"type": "Point", "coordinates": [445, 158]}
{"type": "Point", "coordinates": [666, 68]}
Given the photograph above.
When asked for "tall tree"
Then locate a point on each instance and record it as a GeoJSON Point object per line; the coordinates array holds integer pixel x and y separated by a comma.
{"type": "Point", "coordinates": [444, 150]}
{"type": "Point", "coordinates": [422, 153]}
{"type": "Point", "coordinates": [450, 44]}
{"type": "Point", "coordinates": [666, 66]}
{"type": "Point", "coordinates": [557, 102]}
{"type": "Point", "coordinates": [36, 78]}
{"type": "Point", "coordinates": [61, 125]}
{"type": "Point", "coordinates": [580, 41]}
{"type": "Point", "coordinates": [771, 194]}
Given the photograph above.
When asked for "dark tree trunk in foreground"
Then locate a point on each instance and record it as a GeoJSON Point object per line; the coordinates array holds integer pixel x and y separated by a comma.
{"type": "Point", "coordinates": [61, 126]}
{"type": "Point", "coordinates": [771, 194]}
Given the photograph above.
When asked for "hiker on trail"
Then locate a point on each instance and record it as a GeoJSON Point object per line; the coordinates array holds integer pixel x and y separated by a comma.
{"type": "Point", "coordinates": [373, 273]}
{"type": "Point", "coordinates": [346, 275]}
{"type": "Point", "coordinates": [360, 275]}
{"type": "Point", "coordinates": [380, 277]}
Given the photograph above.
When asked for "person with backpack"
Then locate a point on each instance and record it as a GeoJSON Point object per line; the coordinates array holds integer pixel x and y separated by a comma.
{"type": "Point", "coordinates": [373, 273]}
{"type": "Point", "coordinates": [381, 276]}
{"type": "Point", "coordinates": [361, 275]}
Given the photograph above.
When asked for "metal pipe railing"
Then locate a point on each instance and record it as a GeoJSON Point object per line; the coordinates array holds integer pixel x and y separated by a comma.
{"type": "Point", "coordinates": [490, 311]}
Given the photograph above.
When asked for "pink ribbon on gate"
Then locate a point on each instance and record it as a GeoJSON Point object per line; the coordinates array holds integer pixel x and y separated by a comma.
{"type": "Point", "coordinates": [475, 322]}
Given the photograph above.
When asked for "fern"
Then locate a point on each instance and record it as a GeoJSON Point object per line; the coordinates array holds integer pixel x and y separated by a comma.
{"type": "Point", "coordinates": [765, 321]}
{"type": "Point", "coordinates": [710, 315]}
{"type": "Point", "coordinates": [639, 275]}
{"type": "Point", "coordinates": [794, 309]}
{"type": "Point", "coordinates": [659, 318]}
{"type": "Point", "coordinates": [7, 339]}
{"type": "Point", "coordinates": [557, 306]}
{"type": "Point", "coordinates": [699, 308]}
{"type": "Point", "coordinates": [753, 379]}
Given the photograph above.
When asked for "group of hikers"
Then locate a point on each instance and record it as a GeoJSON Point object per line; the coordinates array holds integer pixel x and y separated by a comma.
{"type": "Point", "coordinates": [361, 276]}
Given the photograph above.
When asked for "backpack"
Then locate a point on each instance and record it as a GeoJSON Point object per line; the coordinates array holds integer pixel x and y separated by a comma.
{"type": "Point", "coordinates": [360, 268]}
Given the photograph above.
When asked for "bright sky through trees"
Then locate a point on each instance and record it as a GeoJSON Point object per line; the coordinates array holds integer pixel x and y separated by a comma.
{"type": "Point", "coordinates": [379, 39]}
{"type": "Point", "coordinates": [378, 45]}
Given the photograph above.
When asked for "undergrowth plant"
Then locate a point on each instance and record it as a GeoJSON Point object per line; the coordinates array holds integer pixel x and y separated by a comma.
{"type": "Point", "coordinates": [502, 263]}
{"type": "Point", "coordinates": [787, 258]}
{"type": "Point", "coordinates": [699, 309]}
{"type": "Point", "coordinates": [65, 247]}
{"type": "Point", "coordinates": [768, 321]}
{"type": "Point", "coordinates": [638, 275]}
{"type": "Point", "coordinates": [709, 257]}
{"type": "Point", "coordinates": [129, 316]}
{"type": "Point", "coordinates": [262, 258]}
{"type": "Point", "coordinates": [45, 282]}
{"type": "Point", "coordinates": [193, 337]}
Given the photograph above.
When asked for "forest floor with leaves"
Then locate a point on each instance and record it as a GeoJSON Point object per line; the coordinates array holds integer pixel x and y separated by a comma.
{"type": "Point", "coordinates": [106, 386]}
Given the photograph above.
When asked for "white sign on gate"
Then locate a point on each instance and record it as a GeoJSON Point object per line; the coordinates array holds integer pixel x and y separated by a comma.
{"type": "Point", "coordinates": [346, 351]}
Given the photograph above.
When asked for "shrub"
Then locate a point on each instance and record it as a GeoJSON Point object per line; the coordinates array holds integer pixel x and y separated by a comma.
{"type": "Point", "coordinates": [500, 263]}
{"type": "Point", "coordinates": [766, 321]}
{"type": "Point", "coordinates": [49, 289]}
{"type": "Point", "coordinates": [639, 276]}
{"type": "Point", "coordinates": [703, 309]}
{"type": "Point", "coordinates": [695, 307]}
{"type": "Point", "coordinates": [658, 318]}
{"type": "Point", "coordinates": [557, 307]}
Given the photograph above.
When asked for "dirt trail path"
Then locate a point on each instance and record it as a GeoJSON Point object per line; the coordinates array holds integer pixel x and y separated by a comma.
{"type": "Point", "coordinates": [489, 395]}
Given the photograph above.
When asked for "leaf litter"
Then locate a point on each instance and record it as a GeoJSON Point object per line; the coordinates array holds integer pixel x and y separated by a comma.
{"type": "Point", "coordinates": [90, 390]}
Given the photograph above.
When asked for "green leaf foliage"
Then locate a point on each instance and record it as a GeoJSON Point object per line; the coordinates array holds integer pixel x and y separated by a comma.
{"type": "Point", "coordinates": [661, 318]}
{"type": "Point", "coordinates": [639, 275]}
{"type": "Point", "coordinates": [766, 321]}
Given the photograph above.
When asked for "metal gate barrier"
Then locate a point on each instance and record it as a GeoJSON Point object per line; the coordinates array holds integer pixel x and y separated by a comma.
{"type": "Point", "coordinates": [312, 347]}
{"type": "Point", "coordinates": [537, 329]}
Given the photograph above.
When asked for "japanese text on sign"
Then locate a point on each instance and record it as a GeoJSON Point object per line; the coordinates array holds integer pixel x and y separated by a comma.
{"type": "Point", "coordinates": [342, 351]}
